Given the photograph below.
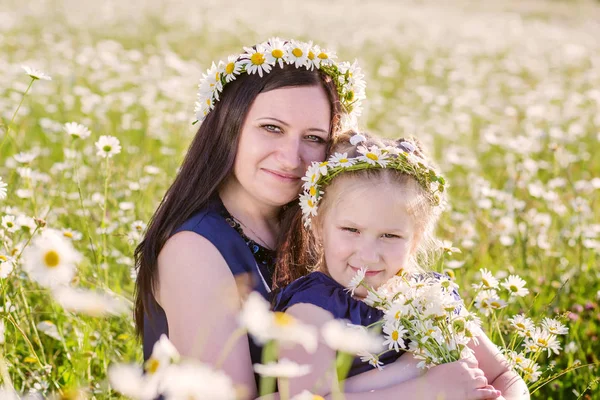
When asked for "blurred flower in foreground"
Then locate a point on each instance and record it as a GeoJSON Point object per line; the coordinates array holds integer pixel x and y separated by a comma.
{"type": "Point", "coordinates": [265, 325]}
{"type": "Point", "coordinates": [35, 73]}
{"type": "Point", "coordinates": [306, 395]}
{"type": "Point", "coordinates": [3, 191]}
{"type": "Point", "coordinates": [192, 380]}
{"type": "Point", "coordinates": [89, 302]}
{"type": "Point", "coordinates": [77, 131]}
{"type": "Point", "coordinates": [352, 339]}
{"type": "Point", "coordinates": [284, 368]}
{"type": "Point", "coordinates": [108, 146]}
{"type": "Point", "coordinates": [51, 259]}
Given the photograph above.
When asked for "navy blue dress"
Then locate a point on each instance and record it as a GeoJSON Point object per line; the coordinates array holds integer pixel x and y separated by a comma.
{"type": "Point", "coordinates": [242, 255]}
{"type": "Point", "coordinates": [323, 291]}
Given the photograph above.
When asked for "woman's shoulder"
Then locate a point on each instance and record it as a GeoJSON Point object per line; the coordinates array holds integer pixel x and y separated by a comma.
{"type": "Point", "coordinates": [323, 291]}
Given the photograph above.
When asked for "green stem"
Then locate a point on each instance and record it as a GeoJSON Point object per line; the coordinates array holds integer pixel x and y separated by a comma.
{"type": "Point", "coordinates": [103, 225]}
{"type": "Point", "coordinates": [14, 115]}
{"type": "Point", "coordinates": [234, 337]}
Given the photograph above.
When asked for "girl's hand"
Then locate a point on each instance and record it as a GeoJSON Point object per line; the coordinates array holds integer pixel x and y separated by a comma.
{"type": "Point", "coordinates": [460, 380]}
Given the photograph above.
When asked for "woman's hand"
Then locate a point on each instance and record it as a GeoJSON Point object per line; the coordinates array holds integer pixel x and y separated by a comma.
{"type": "Point", "coordinates": [460, 380]}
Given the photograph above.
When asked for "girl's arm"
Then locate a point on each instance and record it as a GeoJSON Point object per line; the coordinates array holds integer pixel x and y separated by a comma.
{"type": "Point", "coordinates": [201, 300]}
{"type": "Point", "coordinates": [497, 369]}
{"type": "Point", "coordinates": [459, 380]}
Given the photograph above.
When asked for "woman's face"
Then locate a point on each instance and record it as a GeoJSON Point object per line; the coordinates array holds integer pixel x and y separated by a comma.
{"type": "Point", "coordinates": [284, 132]}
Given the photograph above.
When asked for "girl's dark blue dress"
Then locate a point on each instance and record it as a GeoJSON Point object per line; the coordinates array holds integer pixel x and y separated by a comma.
{"type": "Point", "coordinates": [323, 291]}
{"type": "Point", "coordinates": [242, 255]}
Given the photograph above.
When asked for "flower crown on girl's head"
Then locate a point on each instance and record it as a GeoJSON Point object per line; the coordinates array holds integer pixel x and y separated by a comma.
{"type": "Point", "coordinates": [265, 57]}
{"type": "Point", "coordinates": [402, 158]}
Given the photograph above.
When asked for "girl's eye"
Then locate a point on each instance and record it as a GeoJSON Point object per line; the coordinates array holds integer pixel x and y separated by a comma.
{"type": "Point", "coordinates": [348, 229]}
{"type": "Point", "coordinates": [271, 128]}
{"type": "Point", "coordinates": [391, 236]}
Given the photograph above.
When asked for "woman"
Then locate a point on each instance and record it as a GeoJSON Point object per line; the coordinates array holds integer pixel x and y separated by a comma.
{"type": "Point", "coordinates": [266, 115]}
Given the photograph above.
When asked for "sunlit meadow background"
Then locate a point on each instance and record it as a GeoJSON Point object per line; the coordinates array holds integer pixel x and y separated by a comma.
{"type": "Point", "coordinates": [507, 94]}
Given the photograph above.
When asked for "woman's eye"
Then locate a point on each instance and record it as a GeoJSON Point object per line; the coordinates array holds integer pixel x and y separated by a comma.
{"type": "Point", "coordinates": [391, 236]}
{"type": "Point", "coordinates": [316, 139]}
{"type": "Point", "coordinates": [271, 128]}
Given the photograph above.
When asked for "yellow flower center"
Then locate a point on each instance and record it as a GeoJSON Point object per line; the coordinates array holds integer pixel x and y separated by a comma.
{"type": "Point", "coordinates": [350, 95]}
{"type": "Point", "coordinates": [317, 397]}
{"type": "Point", "coordinates": [513, 288]}
{"type": "Point", "coordinates": [277, 53]}
{"type": "Point", "coordinates": [9, 224]}
{"type": "Point", "coordinates": [3, 258]}
{"type": "Point", "coordinates": [542, 342]}
{"type": "Point", "coordinates": [372, 156]}
{"type": "Point", "coordinates": [51, 259]}
{"type": "Point", "coordinates": [485, 282]}
{"type": "Point", "coordinates": [520, 325]}
{"type": "Point", "coordinates": [107, 148]}
{"type": "Point", "coordinates": [229, 68]}
{"type": "Point", "coordinates": [311, 55]}
{"type": "Point", "coordinates": [395, 336]}
{"type": "Point", "coordinates": [343, 160]}
{"type": "Point", "coordinates": [397, 315]}
{"type": "Point", "coordinates": [208, 102]}
{"type": "Point", "coordinates": [495, 304]}
{"type": "Point", "coordinates": [297, 52]}
{"type": "Point", "coordinates": [310, 203]}
{"type": "Point", "coordinates": [324, 163]}
{"type": "Point", "coordinates": [68, 234]}
{"type": "Point", "coordinates": [283, 319]}
{"type": "Point", "coordinates": [323, 56]}
{"type": "Point", "coordinates": [257, 59]}
{"type": "Point", "coordinates": [313, 191]}
{"type": "Point", "coordinates": [217, 76]}
{"type": "Point", "coordinates": [152, 365]}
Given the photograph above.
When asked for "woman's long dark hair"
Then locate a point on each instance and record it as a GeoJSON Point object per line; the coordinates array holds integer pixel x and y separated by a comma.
{"type": "Point", "coordinates": [207, 164]}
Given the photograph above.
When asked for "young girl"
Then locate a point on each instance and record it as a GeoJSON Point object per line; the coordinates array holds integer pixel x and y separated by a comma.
{"type": "Point", "coordinates": [375, 214]}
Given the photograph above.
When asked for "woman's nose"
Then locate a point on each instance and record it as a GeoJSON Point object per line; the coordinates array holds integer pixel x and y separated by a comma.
{"type": "Point", "coordinates": [288, 154]}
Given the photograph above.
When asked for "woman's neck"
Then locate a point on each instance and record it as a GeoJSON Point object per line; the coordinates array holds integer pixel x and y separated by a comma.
{"type": "Point", "coordinates": [259, 221]}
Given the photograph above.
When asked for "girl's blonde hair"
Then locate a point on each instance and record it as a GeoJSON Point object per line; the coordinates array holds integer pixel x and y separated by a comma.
{"type": "Point", "coordinates": [304, 253]}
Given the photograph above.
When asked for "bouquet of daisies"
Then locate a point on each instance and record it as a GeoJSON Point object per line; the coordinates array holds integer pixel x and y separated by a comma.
{"type": "Point", "coordinates": [423, 314]}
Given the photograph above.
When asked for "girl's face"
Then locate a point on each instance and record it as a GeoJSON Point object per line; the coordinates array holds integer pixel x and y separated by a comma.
{"type": "Point", "coordinates": [367, 225]}
{"type": "Point", "coordinates": [284, 132]}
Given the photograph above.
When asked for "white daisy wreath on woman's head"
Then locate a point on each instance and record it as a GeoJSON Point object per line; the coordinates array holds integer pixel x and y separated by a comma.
{"type": "Point", "coordinates": [267, 57]}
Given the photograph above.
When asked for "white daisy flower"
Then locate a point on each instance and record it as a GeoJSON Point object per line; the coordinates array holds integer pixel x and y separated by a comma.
{"type": "Point", "coordinates": [275, 51]}
{"type": "Point", "coordinates": [203, 107]}
{"type": "Point", "coordinates": [90, 302]}
{"type": "Point", "coordinates": [193, 380]}
{"type": "Point", "coordinates": [36, 73]}
{"type": "Point", "coordinates": [284, 368]}
{"type": "Point", "coordinates": [318, 57]}
{"type": "Point", "coordinates": [313, 173]}
{"type": "Point", "coordinates": [356, 139]}
{"type": "Point", "coordinates": [24, 158]}
{"type": "Point", "coordinates": [49, 329]}
{"type": "Point", "coordinates": [77, 131]}
{"type": "Point", "coordinates": [50, 259]}
{"type": "Point", "coordinates": [531, 371]}
{"type": "Point", "coordinates": [163, 355]}
{"type": "Point", "coordinates": [323, 168]}
{"type": "Point", "coordinates": [356, 280]}
{"type": "Point", "coordinates": [545, 340]}
{"type": "Point", "coordinates": [308, 204]}
{"type": "Point", "coordinates": [488, 301]}
{"type": "Point", "coordinates": [523, 325]}
{"type": "Point", "coordinates": [9, 222]}
{"type": "Point", "coordinates": [394, 336]}
{"type": "Point", "coordinates": [341, 160]}
{"type": "Point", "coordinates": [352, 339]}
{"type": "Point", "coordinates": [372, 359]}
{"type": "Point", "coordinates": [130, 380]}
{"type": "Point", "coordinates": [7, 264]}
{"type": "Point", "coordinates": [232, 68]}
{"type": "Point", "coordinates": [254, 60]}
{"type": "Point", "coordinates": [297, 53]}
{"type": "Point", "coordinates": [108, 146]}
{"type": "Point", "coordinates": [515, 285]}
{"type": "Point", "coordinates": [554, 326]}
{"type": "Point", "coordinates": [373, 156]}
{"type": "Point", "coordinates": [3, 191]}
{"type": "Point", "coordinates": [487, 279]}
{"type": "Point", "coordinates": [306, 395]}
{"type": "Point", "coordinates": [210, 85]}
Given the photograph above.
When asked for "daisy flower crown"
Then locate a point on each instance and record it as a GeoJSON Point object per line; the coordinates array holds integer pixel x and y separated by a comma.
{"type": "Point", "coordinates": [402, 158]}
{"type": "Point", "coordinates": [265, 57]}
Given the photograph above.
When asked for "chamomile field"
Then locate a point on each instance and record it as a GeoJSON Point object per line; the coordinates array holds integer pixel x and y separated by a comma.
{"type": "Point", "coordinates": [505, 95]}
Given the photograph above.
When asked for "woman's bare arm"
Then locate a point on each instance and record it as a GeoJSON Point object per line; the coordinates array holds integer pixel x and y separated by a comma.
{"type": "Point", "coordinates": [200, 298]}
{"type": "Point", "coordinates": [497, 370]}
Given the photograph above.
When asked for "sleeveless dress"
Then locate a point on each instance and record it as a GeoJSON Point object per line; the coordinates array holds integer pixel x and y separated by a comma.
{"type": "Point", "coordinates": [323, 291]}
{"type": "Point", "coordinates": [242, 254]}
